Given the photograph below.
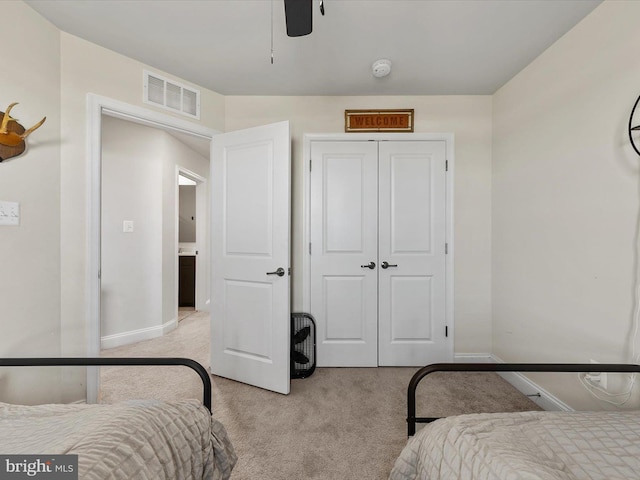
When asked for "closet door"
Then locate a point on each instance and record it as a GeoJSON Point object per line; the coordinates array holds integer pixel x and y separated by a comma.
{"type": "Point", "coordinates": [344, 244]}
{"type": "Point", "coordinates": [412, 226]}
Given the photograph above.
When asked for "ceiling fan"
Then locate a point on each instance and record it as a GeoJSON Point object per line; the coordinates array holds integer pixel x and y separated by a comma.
{"type": "Point", "coordinates": [298, 16]}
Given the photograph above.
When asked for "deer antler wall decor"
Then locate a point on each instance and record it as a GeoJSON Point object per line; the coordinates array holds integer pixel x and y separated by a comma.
{"type": "Point", "coordinates": [13, 135]}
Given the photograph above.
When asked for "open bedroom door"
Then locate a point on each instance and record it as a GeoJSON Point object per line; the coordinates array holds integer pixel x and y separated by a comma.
{"type": "Point", "coordinates": [250, 254]}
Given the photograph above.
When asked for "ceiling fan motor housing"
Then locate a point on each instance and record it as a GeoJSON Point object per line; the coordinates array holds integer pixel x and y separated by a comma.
{"type": "Point", "coordinates": [298, 14]}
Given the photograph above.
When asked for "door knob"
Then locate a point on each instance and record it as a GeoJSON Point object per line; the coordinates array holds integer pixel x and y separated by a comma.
{"type": "Point", "coordinates": [370, 265]}
{"type": "Point", "coordinates": [386, 265]}
{"type": "Point", "coordinates": [279, 272]}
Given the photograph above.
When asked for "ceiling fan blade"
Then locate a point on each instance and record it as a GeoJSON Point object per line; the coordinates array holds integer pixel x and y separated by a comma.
{"type": "Point", "coordinates": [298, 17]}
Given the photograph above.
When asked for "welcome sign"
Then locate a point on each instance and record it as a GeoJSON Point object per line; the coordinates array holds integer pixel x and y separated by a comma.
{"type": "Point", "coordinates": [378, 120]}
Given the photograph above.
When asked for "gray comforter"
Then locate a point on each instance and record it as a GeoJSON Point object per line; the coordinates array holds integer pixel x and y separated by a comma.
{"type": "Point", "coordinates": [530, 445]}
{"type": "Point", "coordinates": [141, 439]}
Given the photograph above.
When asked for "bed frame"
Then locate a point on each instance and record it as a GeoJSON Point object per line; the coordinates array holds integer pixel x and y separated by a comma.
{"type": "Point", "coordinates": [500, 367]}
{"type": "Point", "coordinates": [122, 361]}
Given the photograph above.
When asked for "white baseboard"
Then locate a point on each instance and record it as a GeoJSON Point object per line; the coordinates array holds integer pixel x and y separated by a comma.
{"type": "Point", "coordinates": [473, 358]}
{"type": "Point", "coordinates": [169, 326]}
{"type": "Point", "coordinates": [133, 336]}
{"type": "Point", "coordinates": [535, 392]}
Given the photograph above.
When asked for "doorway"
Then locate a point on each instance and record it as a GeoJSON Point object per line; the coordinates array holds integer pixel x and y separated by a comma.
{"type": "Point", "coordinates": [192, 252]}
{"type": "Point", "coordinates": [100, 108]}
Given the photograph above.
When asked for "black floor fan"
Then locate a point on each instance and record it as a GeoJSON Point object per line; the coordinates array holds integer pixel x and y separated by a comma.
{"type": "Point", "coordinates": [303, 345]}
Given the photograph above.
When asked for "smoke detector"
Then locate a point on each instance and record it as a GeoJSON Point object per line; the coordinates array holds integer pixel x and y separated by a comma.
{"type": "Point", "coordinates": [381, 68]}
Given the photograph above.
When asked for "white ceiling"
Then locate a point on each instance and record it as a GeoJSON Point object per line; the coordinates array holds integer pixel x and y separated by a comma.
{"type": "Point", "coordinates": [437, 46]}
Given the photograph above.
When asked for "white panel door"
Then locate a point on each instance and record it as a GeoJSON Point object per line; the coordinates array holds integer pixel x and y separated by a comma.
{"type": "Point", "coordinates": [344, 243]}
{"type": "Point", "coordinates": [412, 316]}
{"type": "Point", "coordinates": [250, 312]}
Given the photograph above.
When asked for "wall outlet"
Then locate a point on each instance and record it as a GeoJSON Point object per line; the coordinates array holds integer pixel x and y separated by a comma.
{"type": "Point", "coordinates": [598, 379]}
{"type": "Point", "coordinates": [127, 226]}
{"type": "Point", "coordinates": [10, 213]}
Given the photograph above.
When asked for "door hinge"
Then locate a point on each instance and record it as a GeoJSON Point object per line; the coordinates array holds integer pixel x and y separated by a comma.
{"type": "Point", "coordinates": [99, 274]}
{"type": "Point", "coordinates": [446, 248]}
{"type": "Point", "coordinates": [309, 248]}
{"type": "Point", "coordinates": [446, 165]}
{"type": "Point", "coordinates": [446, 331]}
{"type": "Point", "coordinates": [310, 161]}
{"type": "Point", "coordinates": [289, 271]}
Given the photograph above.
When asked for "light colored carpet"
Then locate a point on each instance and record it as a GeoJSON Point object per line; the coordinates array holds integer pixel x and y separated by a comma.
{"type": "Point", "coordinates": [184, 312]}
{"type": "Point", "coordinates": [340, 423]}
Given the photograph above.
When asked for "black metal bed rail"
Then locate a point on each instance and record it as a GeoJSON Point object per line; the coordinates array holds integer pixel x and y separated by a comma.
{"type": "Point", "coordinates": [112, 361]}
{"type": "Point", "coordinates": [501, 367]}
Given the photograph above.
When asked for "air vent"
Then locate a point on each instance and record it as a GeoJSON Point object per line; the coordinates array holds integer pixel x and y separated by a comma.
{"type": "Point", "coordinates": [170, 95]}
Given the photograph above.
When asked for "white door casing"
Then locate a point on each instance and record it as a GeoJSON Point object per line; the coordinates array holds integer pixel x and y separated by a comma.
{"type": "Point", "coordinates": [411, 298]}
{"type": "Point", "coordinates": [250, 237]}
{"type": "Point", "coordinates": [344, 237]}
{"type": "Point", "coordinates": [411, 304]}
{"type": "Point", "coordinates": [97, 106]}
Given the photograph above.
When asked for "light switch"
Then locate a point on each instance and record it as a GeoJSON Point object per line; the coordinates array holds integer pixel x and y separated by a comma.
{"type": "Point", "coordinates": [127, 226]}
{"type": "Point", "coordinates": [10, 213]}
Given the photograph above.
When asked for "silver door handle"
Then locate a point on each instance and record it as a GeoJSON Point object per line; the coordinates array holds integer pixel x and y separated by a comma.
{"type": "Point", "coordinates": [370, 265]}
{"type": "Point", "coordinates": [279, 272]}
{"type": "Point", "coordinates": [386, 265]}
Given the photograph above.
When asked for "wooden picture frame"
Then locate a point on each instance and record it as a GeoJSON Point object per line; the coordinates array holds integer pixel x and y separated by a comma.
{"type": "Point", "coordinates": [385, 120]}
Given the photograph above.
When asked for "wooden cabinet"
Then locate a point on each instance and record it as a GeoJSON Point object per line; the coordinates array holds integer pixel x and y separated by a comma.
{"type": "Point", "coordinates": [187, 281]}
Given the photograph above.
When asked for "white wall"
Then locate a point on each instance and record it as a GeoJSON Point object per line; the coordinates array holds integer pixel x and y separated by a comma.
{"type": "Point", "coordinates": [139, 268]}
{"type": "Point", "coordinates": [565, 200]}
{"type": "Point", "coordinates": [131, 267]}
{"type": "Point", "coordinates": [29, 253]}
{"type": "Point", "coordinates": [187, 214]}
{"type": "Point", "coordinates": [469, 118]}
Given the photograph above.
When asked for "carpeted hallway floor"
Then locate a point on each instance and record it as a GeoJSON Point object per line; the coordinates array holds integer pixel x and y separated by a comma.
{"type": "Point", "coordinates": [340, 423]}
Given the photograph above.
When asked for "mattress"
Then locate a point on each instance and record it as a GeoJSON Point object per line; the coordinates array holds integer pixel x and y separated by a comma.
{"type": "Point", "coordinates": [528, 445]}
{"type": "Point", "coordinates": [145, 439]}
